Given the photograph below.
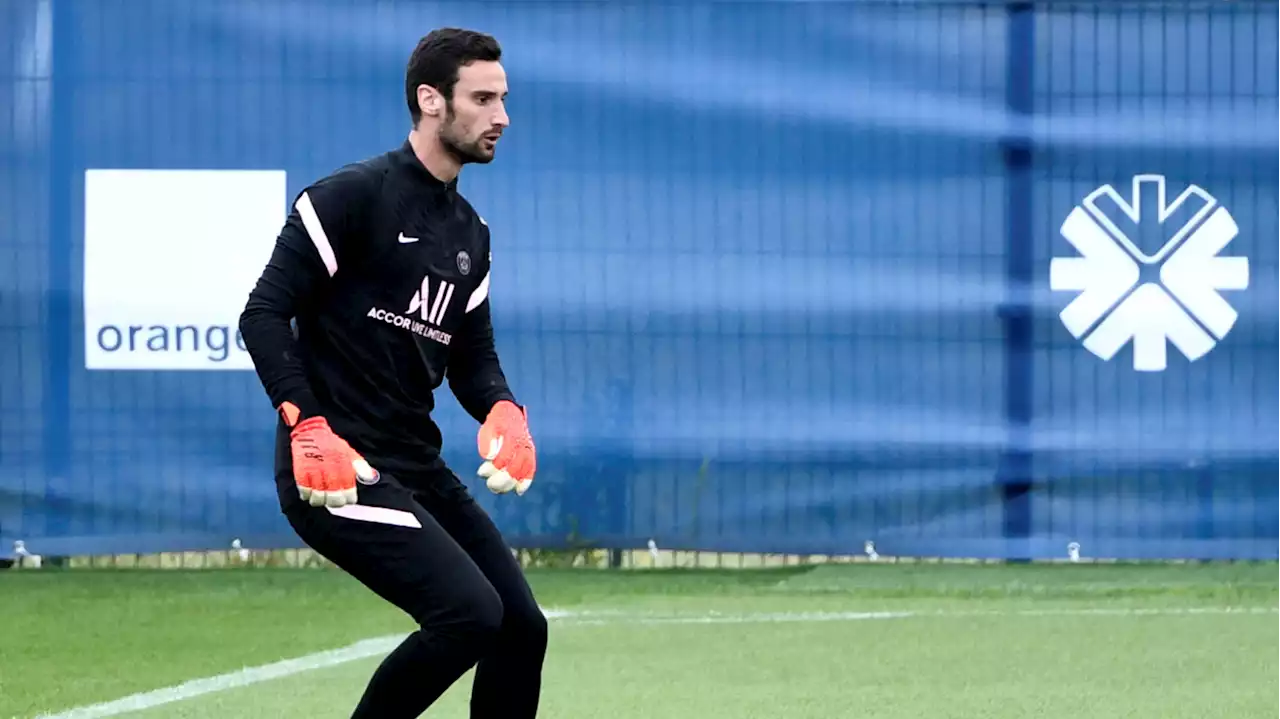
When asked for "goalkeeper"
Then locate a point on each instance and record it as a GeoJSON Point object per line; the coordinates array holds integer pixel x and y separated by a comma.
{"type": "Point", "coordinates": [384, 267]}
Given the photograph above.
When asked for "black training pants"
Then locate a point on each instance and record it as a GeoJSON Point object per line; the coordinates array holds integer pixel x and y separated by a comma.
{"type": "Point", "coordinates": [437, 555]}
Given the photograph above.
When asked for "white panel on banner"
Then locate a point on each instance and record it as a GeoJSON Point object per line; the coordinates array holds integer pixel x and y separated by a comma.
{"type": "Point", "coordinates": [170, 258]}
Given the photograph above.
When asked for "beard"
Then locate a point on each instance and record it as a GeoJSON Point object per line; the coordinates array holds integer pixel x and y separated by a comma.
{"type": "Point", "coordinates": [466, 152]}
{"type": "Point", "coordinates": [463, 150]}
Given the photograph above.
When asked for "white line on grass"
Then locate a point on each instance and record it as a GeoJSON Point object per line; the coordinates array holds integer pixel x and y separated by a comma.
{"type": "Point", "coordinates": [603, 617]}
{"type": "Point", "coordinates": [364, 649]}
{"type": "Point", "coordinates": [378, 646]}
{"type": "Point", "coordinates": [590, 620]}
{"type": "Point", "coordinates": [1114, 612]}
{"type": "Point", "coordinates": [244, 677]}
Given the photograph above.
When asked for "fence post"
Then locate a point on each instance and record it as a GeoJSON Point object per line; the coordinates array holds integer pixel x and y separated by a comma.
{"type": "Point", "coordinates": [58, 336]}
{"type": "Point", "coordinates": [1015, 471]}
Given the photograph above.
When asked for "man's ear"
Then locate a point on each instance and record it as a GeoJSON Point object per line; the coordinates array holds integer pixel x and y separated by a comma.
{"type": "Point", "coordinates": [429, 101]}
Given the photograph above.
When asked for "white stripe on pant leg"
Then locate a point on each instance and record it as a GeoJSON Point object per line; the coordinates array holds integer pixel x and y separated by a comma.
{"type": "Point", "coordinates": [377, 515]}
{"type": "Point", "coordinates": [315, 231]}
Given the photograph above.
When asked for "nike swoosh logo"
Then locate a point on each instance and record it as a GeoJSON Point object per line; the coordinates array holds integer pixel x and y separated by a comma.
{"type": "Point", "coordinates": [406, 240]}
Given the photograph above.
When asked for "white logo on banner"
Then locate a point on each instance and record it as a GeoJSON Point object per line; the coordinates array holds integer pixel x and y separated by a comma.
{"type": "Point", "coordinates": [1183, 307]}
{"type": "Point", "coordinates": [169, 259]}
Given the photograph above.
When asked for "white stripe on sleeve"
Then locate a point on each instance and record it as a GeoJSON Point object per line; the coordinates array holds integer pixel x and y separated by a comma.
{"type": "Point", "coordinates": [315, 231]}
{"type": "Point", "coordinates": [477, 297]}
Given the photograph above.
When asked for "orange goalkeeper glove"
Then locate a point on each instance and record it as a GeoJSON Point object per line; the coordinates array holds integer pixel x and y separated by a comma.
{"type": "Point", "coordinates": [507, 447]}
{"type": "Point", "coordinates": [325, 467]}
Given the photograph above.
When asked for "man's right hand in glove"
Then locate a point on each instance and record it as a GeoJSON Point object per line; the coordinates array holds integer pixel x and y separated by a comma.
{"type": "Point", "coordinates": [325, 467]}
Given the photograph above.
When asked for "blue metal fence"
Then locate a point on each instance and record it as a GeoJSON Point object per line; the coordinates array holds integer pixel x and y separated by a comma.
{"type": "Point", "coordinates": [770, 276]}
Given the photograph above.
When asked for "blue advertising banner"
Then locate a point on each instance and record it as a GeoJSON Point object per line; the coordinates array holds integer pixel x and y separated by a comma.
{"type": "Point", "coordinates": [955, 278]}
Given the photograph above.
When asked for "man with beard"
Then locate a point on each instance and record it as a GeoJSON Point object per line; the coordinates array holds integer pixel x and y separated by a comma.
{"type": "Point", "coordinates": [384, 268]}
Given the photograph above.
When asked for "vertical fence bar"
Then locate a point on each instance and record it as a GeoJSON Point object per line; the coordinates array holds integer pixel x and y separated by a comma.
{"type": "Point", "coordinates": [57, 321]}
{"type": "Point", "coordinates": [1015, 465]}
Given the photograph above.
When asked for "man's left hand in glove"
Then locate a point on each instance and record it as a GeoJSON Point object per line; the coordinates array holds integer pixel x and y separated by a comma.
{"type": "Point", "coordinates": [507, 447]}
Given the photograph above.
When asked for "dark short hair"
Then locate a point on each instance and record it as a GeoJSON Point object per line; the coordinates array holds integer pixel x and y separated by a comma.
{"type": "Point", "coordinates": [437, 58]}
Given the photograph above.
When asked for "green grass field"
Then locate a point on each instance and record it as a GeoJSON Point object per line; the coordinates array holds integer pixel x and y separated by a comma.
{"type": "Point", "coordinates": [866, 641]}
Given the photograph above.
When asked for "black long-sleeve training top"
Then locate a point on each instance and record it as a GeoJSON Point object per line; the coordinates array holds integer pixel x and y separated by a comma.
{"type": "Point", "coordinates": [385, 271]}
